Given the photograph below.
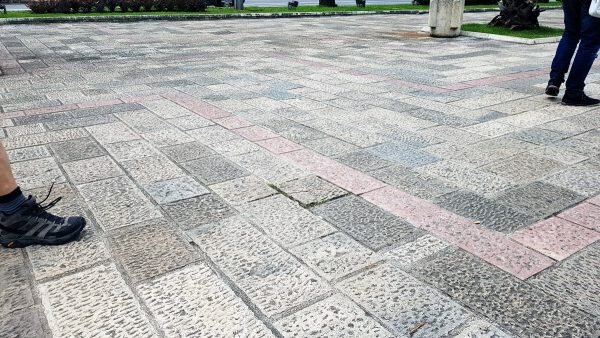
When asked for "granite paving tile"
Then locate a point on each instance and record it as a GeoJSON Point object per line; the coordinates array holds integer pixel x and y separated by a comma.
{"type": "Point", "coordinates": [22, 323]}
{"type": "Point", "coordinates": [197, 211]}
{"type": "Point", "coordinates": [574, 280]}
{"type": "Point", "coordinates": [187, 152]}
{"type": "Point", "coordinates": [285, 221]}
{"type": "Point", "coordinates": [27, 154]}
{"type": "Point", "coordinates": [15, 292]}
{"type": "Point", "coordinates": [104, 304]}
{"type": "Point", "coordinates": [585, 214]}
{"type": "Point", "coordinates": [366, 223]}
{"type": "Point", "coordinates": [310, 190]}
{"type": "Point", "coordinates": [243, 190]}
{"type": "Point", "coordinates": [403, 303]}
{"type": "Point", "coordinates": [112, 133]}
{"type": "Point", "coordinates": [416, 183]}
{"type": "Point", "coordinates": [175, 189]}
{"type": "Point", "coordinates": [151, 249]}
{"type": "Point", "coordinates": [152, 169]}
{"type": "Point", "coordinates": [269, 167]}
{"type": "Point", "coordinates": [335, 316]}
{"type": "Point", "coordinates": [272, 279]}
{"type": "Point", "coordinates": [37, 173]}
{"type": "Point", "coordinates": [214, 169]}
{"type": "Point", "coordinates": [504, 299]}
{"type": "Point", "coordinates": [413, 252]}
{"type": "Point", "coordinates": [131, 150]}
{"type": "Point", "coordinates": [580, 180]}
{"type": "Point", "coordinates": [167, 137]}
{"type": "Point", "coordinates": [92, 169]}
{"type": "Point", "coordinates": [184, 303]}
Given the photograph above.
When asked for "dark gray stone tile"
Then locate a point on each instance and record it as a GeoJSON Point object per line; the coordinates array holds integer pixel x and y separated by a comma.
{"type": "Point", "coordinates": [197, 211]}
{"type": "Point", "coordinates": [22, 324]}
{"type": "Point", "coordinates": [539, 199]}
{"type": "Point", "coordinates": [151, 249]}
{"type": "Point", "coordinates": [576, 281]}
{"type": "Point", "coordinates": [363, 161]}
{"type": "Point", "coordinates": [187, 152]}
{"type": "Point", "coordinates": [478, 208]}
{"type": "Point", "coordinates": [440, 118]}
{"type": "Point", "coordinates": [366, 223]}
{"type": "Point", "coordinates": [214, 169]}
{"type": "Point", "coordinates": [81, 122]}
{"type": "Point", "coordinates": [515, 305]}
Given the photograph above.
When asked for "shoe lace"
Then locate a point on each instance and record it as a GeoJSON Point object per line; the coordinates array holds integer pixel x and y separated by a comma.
{"type": "Point", "coordinates": [41, 208]}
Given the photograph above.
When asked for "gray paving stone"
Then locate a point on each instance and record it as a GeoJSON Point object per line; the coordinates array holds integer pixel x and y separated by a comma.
{"type": "Point", "coordinates": [235, 147]}
{"type": "Point", "coordinates": [272, 279]}
{"type": "Point", "coordinates": [143, 121]}
{"type": "Point", "coordinates": [403, 154]}
{"type": "Point", "coordinates": [489, 213]}
{"type": "Point", "coordinates": [152, 169]}
{"type": "Point", "coordinates": [524, 168]}
{"type": "Point", "coordinates": [92, 169]}
{"type": "Point", "coordinates": [539, 199]}
{"type": "Point", "coordinates": [37, 173]}
{"type": "Point", "coordinates": [416, 183]}
{"type": "Point", "coordinates": [330, 146]}
{"type": "Point", "coordinates": [402, 302]}
{"type": "Point", "coordinates": [167, 137]}
{"type": "Point", "coordinates": [21, 324]}
{"type": "Point", "coordinates": [214, 169]}
{"type": "Point", "coordinates": [411, 253]}
{"type": "Point", "coordinates": [166, 109]}
{"type": "Point", "coordinates": [190, 122]}
{"type": "Point", "coordinates": [440, 118]}
{"type": "Point", "coordinates": [192, 313]}
{"type": "Point", "coordinates": [482, 329]}
{"type": "Point", "coordinates": [200, 210]}
{"type": "Point", "coordinates": [583, 181]}
{"type": "Point", "coordinates": [212, 134]}
{"type": "Point", "coordinates": [78, 149]}
{"type": "Point", "coordinates": [366, 223]}
{"type": "Point", "coordinates": [538, 136]}
{"type": "Point", "coordinates": [504, 299]}
{"type": "Point", "coordinates": [151, 249]}
{"type": "Point", "coordinates": [364, 161]}
{"type": "Point", "coordinates": [311, 190]}
{"type": "Point", "coordinates": [175, 189]}
{"type": "Point", "coordinates": [335, 316]}
{"type": "Point", "coordinates": [285, 221]}
{"type": "Point", "coordinates": [300, 133]}
{"type": "Point", "coordinates": [117, 202]}
{"type": "Point", "coordinates": [44, 138]}
{"type": "Point", "coordinates": [558, 154]}
{"type": "Point", "coordinates": [131, 150]}
{"type": "Point", "coordinates": [467, 177]}
{"type": "Point", "coordinates": [27, 154]}
{"type": "Point", "coordinates": [269, 167]}
{"type": "Point", "coordinates": [579, 146]}
{"type": "Point", "coordinates": [112, 133]}
{"type": "Point", "coordinates": [187, 152]}
{"type": "Point", "coordinates": [243, 190]}
{"type": "Point", "coordinates": [104, 304]}
{"type": "Point", "coordinates": [335, 255]}
{"type": "Point", "coordinates": [27, 129]}
{"type": "Point", "coordinates": [81, 122]}
{"type": "Point", "coordinates": [15, 291]}
{"type": "Point", "coordinates": [575, 281]}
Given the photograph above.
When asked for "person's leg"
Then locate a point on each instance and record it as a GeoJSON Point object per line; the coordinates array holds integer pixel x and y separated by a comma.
{"type": "Point", "coordinates": [586, 54]}
{"type": "Point", "coordinates": [566, 47]}
{"type": "Point", "coordinates": [25, 222]}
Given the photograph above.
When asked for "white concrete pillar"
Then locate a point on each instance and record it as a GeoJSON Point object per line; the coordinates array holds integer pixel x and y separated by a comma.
{"type": "Point", "coordinates": [445, 17]}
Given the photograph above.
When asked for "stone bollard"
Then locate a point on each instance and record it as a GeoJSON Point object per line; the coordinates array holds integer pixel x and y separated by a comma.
{"type": "Point", "coordinates": [445, 17]}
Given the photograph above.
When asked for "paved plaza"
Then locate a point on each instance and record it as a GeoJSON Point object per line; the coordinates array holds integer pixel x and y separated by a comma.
{"type": "Point", "coordinates": [322, 177]}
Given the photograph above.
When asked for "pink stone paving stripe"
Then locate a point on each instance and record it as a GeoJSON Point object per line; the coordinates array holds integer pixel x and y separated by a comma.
{"type": "Point", "coordinates": [594, 200]}
{"type": "Point", "coordinates": [96, 104]}
{"type": "Point", "coordinates": [11, 114]}
{"type": "Point", "coordinates": [233, 122]}
{"type": "Point", "coordinates": [336, 173]}
{"type": "Point", "coordinates": [585, 214]}
{"type": "Point", "coordinates": [279, 145]}
{"type": "Point", "coordinates": [491, 246]}
{"type": "Point", "coordinates": [255, 133]}
{"type": "Point", "coordinates": [49, 110]}
{"type": "Point", "coordinates": [199, 107]}
{"type": "Point", "coordinates": [556, 237]}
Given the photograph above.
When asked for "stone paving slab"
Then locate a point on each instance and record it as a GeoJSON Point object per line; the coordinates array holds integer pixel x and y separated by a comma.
{"type": "Point", "coordinates": [350, 178]}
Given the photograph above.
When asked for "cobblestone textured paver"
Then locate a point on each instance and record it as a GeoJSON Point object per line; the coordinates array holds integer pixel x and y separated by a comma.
{"type": "Point", "coordinates": [343, 177]}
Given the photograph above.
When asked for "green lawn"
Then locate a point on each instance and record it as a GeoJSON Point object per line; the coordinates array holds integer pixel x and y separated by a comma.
{"type": "Point", "coordinates": [542, 32]}
{"type": "Point", "coordinates": [212, 10]}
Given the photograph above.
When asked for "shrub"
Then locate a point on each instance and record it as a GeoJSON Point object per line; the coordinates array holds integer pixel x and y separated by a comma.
{"type": "Point", "coordinates": [111, 4]}
{"type": "Point", "coordinates": [41, 6]}
{"type": "Point", "coordinates": [467, 2]}
{"type": "Point", "coordinates": [86, 5]}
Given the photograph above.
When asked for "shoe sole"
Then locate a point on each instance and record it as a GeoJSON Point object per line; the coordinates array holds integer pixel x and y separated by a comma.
{"type": "Point", "coordinates": [579, 104]}
{"type": "Point", "coordinates": [552, 91]}
{"type": "Point", "coordinates": [25, 241]}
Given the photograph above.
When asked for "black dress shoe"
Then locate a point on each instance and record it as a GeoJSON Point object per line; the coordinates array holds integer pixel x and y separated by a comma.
{"type": "Point", "coordinates": [579, 100]}
{"type": "Point", "coordinates": [552, 89]}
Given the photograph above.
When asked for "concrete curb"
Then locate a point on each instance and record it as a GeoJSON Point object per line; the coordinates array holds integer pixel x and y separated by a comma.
{"type": "Point", "coordinates": [202, 17]}
{"type": "Point", "coordinates": [513, 39]}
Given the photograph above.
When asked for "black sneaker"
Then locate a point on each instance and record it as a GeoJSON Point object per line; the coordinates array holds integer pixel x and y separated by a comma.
{"type": "Point", "coordinates": [552, 89]}
{"type": "Point", "coordinates": [31, 224]}
{"type": "Point", "coordinates": [579, 100]}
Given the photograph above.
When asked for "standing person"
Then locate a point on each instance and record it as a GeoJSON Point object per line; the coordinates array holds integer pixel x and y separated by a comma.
{"type": "Point", "coordinates": [24, 222]}
{"type": "Point", "coordinates": [582, 29]}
